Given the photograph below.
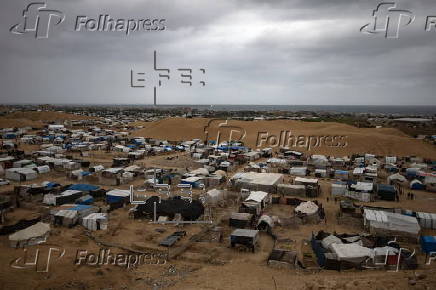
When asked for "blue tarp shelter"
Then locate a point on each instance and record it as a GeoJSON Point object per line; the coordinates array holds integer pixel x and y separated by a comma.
{"type": "Point", "coordinates": [83, 187]}
{"type": "Point", "coordinates": [85, 200]}
{"type": "Point", "coordinates": [428, 244]}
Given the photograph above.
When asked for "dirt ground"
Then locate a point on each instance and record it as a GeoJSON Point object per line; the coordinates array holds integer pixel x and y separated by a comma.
{"type": "Point", "coordinates": [207, 263]}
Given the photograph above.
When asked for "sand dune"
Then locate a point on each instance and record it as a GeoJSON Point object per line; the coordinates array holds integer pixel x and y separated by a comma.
{"type": "Point", "coordinates": [384, 141]}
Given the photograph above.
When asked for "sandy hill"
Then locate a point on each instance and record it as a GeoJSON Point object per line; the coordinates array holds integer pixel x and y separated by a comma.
{"type": "Point", "coordinates": [35, 119]}
{"type": "Point", "coordinates": [346, 139]}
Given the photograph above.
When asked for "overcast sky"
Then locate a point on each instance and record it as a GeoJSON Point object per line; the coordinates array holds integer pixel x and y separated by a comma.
{"type": "Point", "coordinates": [254, 52]}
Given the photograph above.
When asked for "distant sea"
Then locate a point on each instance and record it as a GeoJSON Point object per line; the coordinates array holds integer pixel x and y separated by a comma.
{"type": "Point", "coordinates": [390, 110]}
{"type": "Point", "coordinates": [359, 109]}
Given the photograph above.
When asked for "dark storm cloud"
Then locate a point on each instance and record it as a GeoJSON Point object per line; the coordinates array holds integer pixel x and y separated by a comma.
{"type": "Point", "coordinates": [255, 52]}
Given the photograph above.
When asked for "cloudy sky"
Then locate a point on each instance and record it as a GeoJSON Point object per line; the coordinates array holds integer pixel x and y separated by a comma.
{"type": "Point", "coordinates": [254, 52]}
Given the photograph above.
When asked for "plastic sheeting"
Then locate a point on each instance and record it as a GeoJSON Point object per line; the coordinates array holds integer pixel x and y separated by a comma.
{"type": "Point", "coordinates": [307, 207]}
{"type": "Point", "coordinates": [388, 222]}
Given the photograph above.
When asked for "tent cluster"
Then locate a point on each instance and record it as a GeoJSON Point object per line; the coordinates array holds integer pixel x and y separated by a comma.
{"type": "Point", "coordinates": [341, 252]}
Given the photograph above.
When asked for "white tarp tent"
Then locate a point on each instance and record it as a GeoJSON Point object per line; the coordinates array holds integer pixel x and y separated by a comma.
{"type": "Point", "coordinates": [391, 223]}
{"type": "Point", "coordinates": [20, 174]}
{"type": "Point", "coordinates": [52, 199]}
{"type": "Point", "coordinates": [307, 207]}
{"type": "Point", "coordinates": [321, 173]}
{"type": "Point", "coordinates": [43, 169]}
{"type": "Point", "coordinates": [338, 189]}
{"type": "Point", "coordinates": [360, 191]}
{"type": "Point", "coordinates": [390, 159]}
{"type": "Point", "coordinates": [351, 252]}
{"type": "Point", "coordinates": [305, 181]}
{"type": "Point", "coordinates": [396, 177]}
{"type": "Point", "coordinates": [32, 235]}
{"type": "Point", "coordinates": [256, 181]}
{"type": "Point", "coordinates": [214, 196]}
{"type": "Point", "coordinates": [330, 240]}
{"type": "Point", "coordinates": [358, 171]}
{"type": "Point", "coordinates": [319, 161]}
{"type": "Point", "coordinates": [95, 221]}
{"type": "Point", "coordinates": [66, 218]}
{"type": "Point", "coordinates": [426, 220]}
{"type": "Point", "coordinates": [298, 171]}
{"type": "Point", "coordinates": [257, 196]}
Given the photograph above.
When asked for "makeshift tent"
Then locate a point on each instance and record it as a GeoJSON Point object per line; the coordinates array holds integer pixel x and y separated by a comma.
{"type": "Point", "coordinates": [66, 218]}
{"type": "Point", "coordinates": [298, 171]}
{"type": "Point", "coordinates": [412, 172]}
{"type": "Point", "coordinates": [22, 163]}
{"type": "Point", "coordinates": [358, 171]}
{"type": "Point", "coordinates": [240, 220]}
{"type": "Point", "coordinates": [169, 207]}
{"type": "Point", "coordinates": [305, 181]}
{"type": "Point", "coordinates": [320, 173]}
{"type": "Point", "coordinates": [390, 159]}
{"type": "Point", "coordinates": [117, 195]}
{"type": "Point", "coordinates": [386, 192]}
{"type": "Point", "coordinates": [20, 174]}
{"type": "Point", "coordinates": [195, 181]}
{"type": "Point", "coordinates": [341, 174]}
{"type": "Point", "coordinates": [265, 222]}
{"type": "Point", "coordinates": [330, 240]}
{"type": "Point", "coordinates": [68, 196]}
{"type": "Point", "coordinates": [308, 212]}
{"type": "Point", "coordinates": [87, 199]}
{"type": "Point", "coordinates": [256, 181]}
{"type": "Point", "coordinates": [83, 187]}
{"type": "Point", "coordinates": [32, 235]}
{"type": "Point", "coordinates": [291, 189]}
{"type": "Point", "coordinates": [396, 178]}
{"type": "Point", "coordinates": [260, 197]}
{"type": "Point", "coordinates": [50, 185]}
{"type": "Point", "coordinates": [214, 196]}
{"type": "Point", "coordinates": [42, 169]}
{"type": "Point", "coordinates": [388, 223]}
{"type": "Point", "coordinates": [95, 221]}
{"type": "Point", "coordinates": [353, 252]}
{"type": "Point", "coordinates": [245, 237]}
{"type": "Point", "coordinates": [97, 168]}
{"type": "Point", "coordinates": [417, 185]}
{"type": "Point", "coordinates": [426, 220]}
{"type": "Point", "coordinates": [360, 191]}
{"type": "Point", "coordinates": [428, 244]}
{"type": "Point", "coordinates": [83, 210]}
{"type": "Point", "coordinates": [319, 161]}
{"type": "Point", "coordinates": [338, 189]}
{"type": "Point", "coordinates": [20, 225]}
